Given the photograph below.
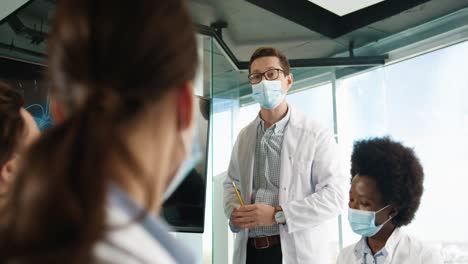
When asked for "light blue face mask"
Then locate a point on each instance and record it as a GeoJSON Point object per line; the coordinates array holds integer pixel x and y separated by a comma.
{"type": "Point", "coordinates": [193, 158]}
{"type": "Point", "coordinates": [363, 222]}
{"type": "Point", "coordinates": [268, 94]}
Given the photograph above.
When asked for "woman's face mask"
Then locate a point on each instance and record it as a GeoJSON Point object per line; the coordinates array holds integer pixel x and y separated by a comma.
{"type": "Point", "coordinates": [363, 222]}
{"type": "Point", "coordinates": [192, 157]}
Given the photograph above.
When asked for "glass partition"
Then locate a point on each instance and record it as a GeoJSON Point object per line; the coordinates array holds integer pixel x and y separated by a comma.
{"type": "Point", "coordinates": [193, 191]}
{"type": "Point", "coordinates": [226, 93]}
{"type": "Point", "coordinates": [424, 111]}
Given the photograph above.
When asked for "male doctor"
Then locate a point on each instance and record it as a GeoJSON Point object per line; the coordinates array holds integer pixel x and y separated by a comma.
{"type": "Point", "coordinates": [288, 173]}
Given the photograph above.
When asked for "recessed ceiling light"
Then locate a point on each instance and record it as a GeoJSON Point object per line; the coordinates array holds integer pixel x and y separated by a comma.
{"type": "Point", "coordinates": [344, 7]}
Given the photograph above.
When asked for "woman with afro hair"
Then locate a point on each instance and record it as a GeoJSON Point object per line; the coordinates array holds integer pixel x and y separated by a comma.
{"type": "Point", "coordinates": [386, 188]}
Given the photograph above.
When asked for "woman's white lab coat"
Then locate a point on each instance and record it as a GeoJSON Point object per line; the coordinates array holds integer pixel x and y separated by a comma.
{"type": "Point", "coordinates": [136, 242]}
{"type": "Point", "coordinates": [401, 249]}
{"type": "Point", "coordinates": [313, 188]}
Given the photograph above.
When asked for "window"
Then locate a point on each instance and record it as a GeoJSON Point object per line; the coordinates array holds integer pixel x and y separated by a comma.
{"type": "Point", "coordinates": [421, 102]}
{"type": "Point", "coordinates": [316, 103]}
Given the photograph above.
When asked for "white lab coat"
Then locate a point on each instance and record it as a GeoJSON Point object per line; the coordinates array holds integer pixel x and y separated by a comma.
{"type": "Point", "coordinates": [129, 244]}
{"type": "Point", "coordinates": [313, 188]}
{"type": "Point", "coordinates": [136, 242]}
{"type": "Point", "coordinates": [401, 249]}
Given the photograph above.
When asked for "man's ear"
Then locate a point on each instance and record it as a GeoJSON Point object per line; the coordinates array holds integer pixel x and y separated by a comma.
{"type": "Point", "coordinates": [185, 106]}
{"type": "Point", "coordinates": [57, 111]}
{"type": "Point", "coordinates": [6, 174]}
{"type": "Point", "coordinates": [290, 80]}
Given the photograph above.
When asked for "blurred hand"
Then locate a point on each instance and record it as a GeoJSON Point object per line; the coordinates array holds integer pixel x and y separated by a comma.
{"type": "Point", "coordinates": [254, 215]}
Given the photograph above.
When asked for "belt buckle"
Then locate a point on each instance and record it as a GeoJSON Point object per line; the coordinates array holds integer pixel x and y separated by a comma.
{"type": "Point", "coordinates": [267, 244]}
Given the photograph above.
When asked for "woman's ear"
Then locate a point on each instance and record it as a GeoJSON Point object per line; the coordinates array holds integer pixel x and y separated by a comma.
{"type": "Point", "coordinates": [6, 174]}
{"type": "Point", "coordinates": [393, 211]}
{"type": "Point", "coordinates": [57, 111]}
{"type": "Point", "coordinates": [185, 106]}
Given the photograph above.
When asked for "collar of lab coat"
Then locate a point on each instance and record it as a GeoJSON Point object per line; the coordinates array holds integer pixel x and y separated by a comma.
{"type": "Point", "coordinates": [278, 126]}
{"type": "Point", "coordinates": [124, 212]}
{"type": "Point", "coordinates": [290, 141]}
{"type": "Point", "coordinates": [389, 247]}
{"type": "Point", "coordinates": [295, 119]}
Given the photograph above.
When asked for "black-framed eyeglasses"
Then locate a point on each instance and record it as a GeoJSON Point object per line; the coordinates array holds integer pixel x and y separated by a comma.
{"type": "Point", "coordinates": [270, 75]}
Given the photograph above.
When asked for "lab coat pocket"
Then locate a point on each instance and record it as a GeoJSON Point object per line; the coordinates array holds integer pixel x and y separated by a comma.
{"type": "Point", "coordinates": [301, 182]}
{"type": "Point", "coordinates": [312, 246]}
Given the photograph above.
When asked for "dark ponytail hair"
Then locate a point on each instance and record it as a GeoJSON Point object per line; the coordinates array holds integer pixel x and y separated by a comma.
{"type": "Point", "coordinates": [107, 61]}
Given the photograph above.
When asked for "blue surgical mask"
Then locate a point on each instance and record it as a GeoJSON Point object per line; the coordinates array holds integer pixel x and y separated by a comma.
{"type": "Point", "coordinates": [193, 157]}
{"type": "Point", "coordinates": [363, 222]}
{"type": "Point", "coordinates": [268, 94]}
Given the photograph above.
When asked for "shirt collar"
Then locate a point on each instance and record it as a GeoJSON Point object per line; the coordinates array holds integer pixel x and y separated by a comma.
{"type": "Point", "coordinates": [393, 240]}
{"type": "Point", "coordinates": [278, 126]}
{"type": "Point", "coordinates": [362, 247]}
{"type": "Point", "coordinates": [156, 228]}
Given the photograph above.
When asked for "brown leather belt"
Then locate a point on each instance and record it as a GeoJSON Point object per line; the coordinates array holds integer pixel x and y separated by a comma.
{"type": "Point", "coordinates": [264, 242]}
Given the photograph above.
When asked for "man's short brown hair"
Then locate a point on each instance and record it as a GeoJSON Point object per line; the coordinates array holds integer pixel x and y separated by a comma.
{"type": "Point", "coordinates": [271, 52]}
{"type": "Point", "coordinates": [11, 122]}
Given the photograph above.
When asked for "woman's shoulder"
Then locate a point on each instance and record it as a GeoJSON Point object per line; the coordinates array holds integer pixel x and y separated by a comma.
{"type": "Point", "coordinates": [128, 242]}
{"type": "Point", "coordinates": [130, 238]}
{"type": "Point", "coordinates": [107, 252]}
{"type": "Point", "coordinates": [428, 253]}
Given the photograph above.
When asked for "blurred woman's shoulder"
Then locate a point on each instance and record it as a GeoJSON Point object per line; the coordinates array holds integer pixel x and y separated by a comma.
{"type": "Point", "coordinates": [127, 241]}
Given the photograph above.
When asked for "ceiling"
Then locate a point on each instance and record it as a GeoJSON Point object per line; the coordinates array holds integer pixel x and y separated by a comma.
{"type": "Point", "coordinates": [302, 29]}
{"type": "Point", "coordinates": [249, 25]}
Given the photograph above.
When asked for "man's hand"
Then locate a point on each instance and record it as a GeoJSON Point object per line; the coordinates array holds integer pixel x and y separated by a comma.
{"type": "Point", "coordinates": [254, 215]}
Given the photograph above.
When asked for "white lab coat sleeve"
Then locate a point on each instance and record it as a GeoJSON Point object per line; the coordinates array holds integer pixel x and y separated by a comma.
{"type": "Point", "coordinates": [346, 255]}
{"type": "Point", "coordinates": [233, 174]}
{"type": "Point", "coordinates": [329, 198]}
{"type": "Point", "coordinates": [432, 256]}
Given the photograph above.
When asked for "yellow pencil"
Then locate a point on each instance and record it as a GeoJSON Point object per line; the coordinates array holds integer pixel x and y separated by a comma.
{"type": "Point", "coordinates": [238, 194]}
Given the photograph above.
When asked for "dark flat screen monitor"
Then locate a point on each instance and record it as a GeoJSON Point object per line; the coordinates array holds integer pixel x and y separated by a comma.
{"type": "Point", "coordinates": [184, 211]}
{"type": "Point", "coordinates": [27, 78]}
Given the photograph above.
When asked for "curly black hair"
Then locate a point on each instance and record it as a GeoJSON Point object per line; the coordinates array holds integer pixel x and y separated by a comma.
{"type": "Point", "coordinates": [396, 170]}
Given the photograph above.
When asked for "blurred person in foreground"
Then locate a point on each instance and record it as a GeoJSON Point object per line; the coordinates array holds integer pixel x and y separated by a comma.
{"type": "Point", "coordinates": [18, 131]}
{"type": "Point", "coordinates": [91, 187]}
